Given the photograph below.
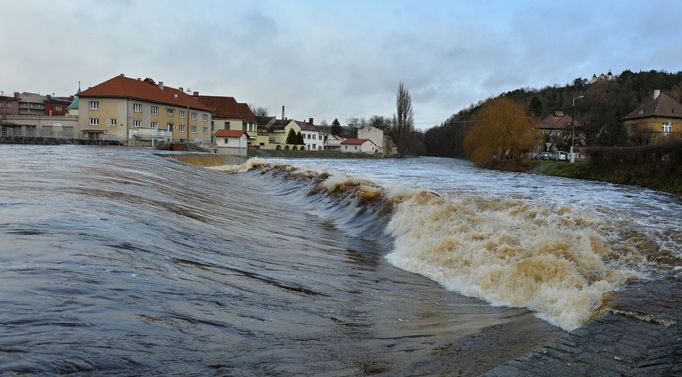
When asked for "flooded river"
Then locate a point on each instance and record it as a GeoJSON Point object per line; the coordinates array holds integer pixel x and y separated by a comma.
{"type": "Point", "coordinates": [117, 261]}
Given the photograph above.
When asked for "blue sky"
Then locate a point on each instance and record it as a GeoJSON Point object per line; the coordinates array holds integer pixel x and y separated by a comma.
{"type": "Point", "coordinates": [339, 59]}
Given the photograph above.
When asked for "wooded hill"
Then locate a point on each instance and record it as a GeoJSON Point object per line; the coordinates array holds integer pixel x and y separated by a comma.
{"type": "Point", "coordinates": [604, 104]}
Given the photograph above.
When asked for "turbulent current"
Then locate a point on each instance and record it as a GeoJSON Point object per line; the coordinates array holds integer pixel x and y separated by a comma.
{"type": "Point", "coordinates": [117, 261]}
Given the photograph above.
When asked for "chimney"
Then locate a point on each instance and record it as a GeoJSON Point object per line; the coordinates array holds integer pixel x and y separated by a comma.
{"type": "Point", "coordinates": [121, 75]}
{"type": "Point", "coordinates": [657, 93]}
{"type": "Point", "coordinates": [196, 94]}
{"type": "Point", "coordinates": [161, 85]}
{"type": "Point", "coordinates": [180, 89]}
{"type": "Point", "coordinates": [283, 112]}
{"type": "Point", "coordinates": [310, 121]}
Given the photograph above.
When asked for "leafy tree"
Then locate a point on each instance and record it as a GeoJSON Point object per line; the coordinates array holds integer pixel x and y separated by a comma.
{"type": "Point", "coordinates": [404, 121]}
{"type": "Point", "coordinates": [258, 111]}
{"type": "Point", "coordinates": [503, 132]}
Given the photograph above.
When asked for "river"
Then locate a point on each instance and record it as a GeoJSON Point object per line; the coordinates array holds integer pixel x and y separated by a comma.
{"type": "Point", "coordinates": [117, 261]}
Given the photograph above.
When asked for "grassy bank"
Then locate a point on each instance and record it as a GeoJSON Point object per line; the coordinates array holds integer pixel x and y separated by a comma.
{"type": "Point", "coordinates": [648, 178]}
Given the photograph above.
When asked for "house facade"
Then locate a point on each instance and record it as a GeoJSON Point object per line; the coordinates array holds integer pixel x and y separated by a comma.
{"type": "Point", "coordinates": [333, 142]}
{"type": "Point", "coordinates": [278, 132]}
{"type": "Point", "coordinates": [657, 118]}
{"type": "Point", "coordinates": [38, 125]}
{"type": "Point", "coordinates": [141, 112]}
{"type": "Point", "coordinates": [383, 141]}
{"type": "Point", "coordinates": [359, 146]}
{"type": "Point", "coordinates": [233, 142]}
{"type": "Point", "coordinates": [558, 130]}
{"type": "Point", "coordinates": [9, 105]}
{"type": "Point", "coordinates": [228, 114]}
{"type": "Point", "coordinates": [313, 138]}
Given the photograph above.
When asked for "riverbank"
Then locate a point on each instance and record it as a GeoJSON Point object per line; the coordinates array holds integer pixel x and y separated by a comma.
{"type": "Point", "coordinates": [671, 183]}
{"type": "Point", "coordinates": [310, 154]}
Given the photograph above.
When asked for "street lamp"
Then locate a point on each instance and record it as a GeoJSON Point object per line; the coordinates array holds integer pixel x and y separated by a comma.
{"type": "Point", "coordinates": [573, 128]}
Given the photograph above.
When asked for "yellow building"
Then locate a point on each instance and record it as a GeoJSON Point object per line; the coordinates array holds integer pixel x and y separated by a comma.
{"type": "Point", "coordinates": [142, 112]}
{"type": "Point", "coordinates": [658, 118]}
{"type": "Point", "coordinates": [278, 130]}
{"type": "Point", "coordinates": [228, 114]}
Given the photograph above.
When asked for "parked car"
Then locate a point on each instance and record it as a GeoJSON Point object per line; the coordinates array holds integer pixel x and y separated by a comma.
{"type": "Point", "coordinates": [542, 156]}
{"type": "Point", "coordinates": [562, 156]}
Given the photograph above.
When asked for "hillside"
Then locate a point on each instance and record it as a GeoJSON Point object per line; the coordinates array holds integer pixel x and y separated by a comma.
{"type": "Point", "coordinates": [605, 102]}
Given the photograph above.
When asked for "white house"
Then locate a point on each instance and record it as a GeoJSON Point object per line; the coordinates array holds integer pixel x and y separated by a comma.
{"type": "Point", "coordinates": [233, 142]}
{"type": "Point", "coordinates": [312, 136]}
{"type": "Point", "coordinates": [383, 141]}
{"type": "Point", "coordinates": [358, 146]}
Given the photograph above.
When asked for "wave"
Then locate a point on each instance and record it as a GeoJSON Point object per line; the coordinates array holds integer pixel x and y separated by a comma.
{"type": "Point", "coordinates": [556, 262]}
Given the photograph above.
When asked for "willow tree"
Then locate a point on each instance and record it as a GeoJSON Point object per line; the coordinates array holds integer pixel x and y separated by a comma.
{"type": "Point", "coordinates": [501, 136]}
{"type": "Point", "coordinates": [403, 120]}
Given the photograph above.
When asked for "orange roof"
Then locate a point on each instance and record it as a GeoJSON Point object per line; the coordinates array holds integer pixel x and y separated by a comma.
{"type": "Point", "coordinates": [227, 108]}
{"type": "Point", "coordinates": [355, 141]}
{"type": "Point", "coordinates": [557, 122]}
{"type": "Point", "coordinates": [143, 90]}
{"type": "Point", "coordinates": [230, 133]}
{"type": "Point", "coordinates": [246, 112]}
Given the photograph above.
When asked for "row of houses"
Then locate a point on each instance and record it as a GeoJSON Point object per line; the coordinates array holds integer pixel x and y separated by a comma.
{"type": "Point", "coordinates": [658, 118]}
{"type": "Point", "coordinates": [143, 112]}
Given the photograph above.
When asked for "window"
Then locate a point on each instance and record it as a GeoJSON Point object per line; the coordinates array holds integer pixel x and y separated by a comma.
{"type": "Point", "coordinates": [211, 125]}
{"type": "Point", "coordinates": [194, 129]}
{"type": "Point", "coordinates": [204, 117]}
{"type": "Point", "coordinates": [205, 129]}
{"type": "Point", "coordinates": [183, 113]}
{"type": "Point", "coordinates": [667, 128]}
{"type": "Point", "coordinates": [181, 128]}
{"type": "Point", "coordinates": [137, 123]}
{"type": "Point", "coordinates": [137, 107]}
{"type": "Point", "coordinates": [308, 136]}
{"type": "Point", "coordinates": [194, 115]}
{"type": "Point", "coordinates": [58, 108]}
{"type": "Point", "coordinates": [93, 105]}
{"type": "Point", "coordinates": [94, 121]}
{"type": "Point", "coordinates": [112, 121]}
{"type": "Point", "coordinates": [155, 109]}
{"type": "Point", "coordinates": [169, 113]}
{"type": "Point", "coordinates": [169, 126]}
{"type": "Point", "coordinates": [227, 125]}
{"type": "Point", "coordinates": [155, 124]}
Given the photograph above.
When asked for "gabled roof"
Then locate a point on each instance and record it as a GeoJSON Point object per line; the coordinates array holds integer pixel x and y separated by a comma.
{"type": "Point", "coordinates": [356, 141]}
{"type": "Point", "coordinates": [230, 133]}
{"type": "Point", "coordinates": [305, 126]}
{"type": "Point", "coordinates": [227, 108]}
{"type": "Point", "coordinates": [278, 124]}
{"type": "Point", "coordinates": [246, 112]}
{"type": "Point", "coordinates": [557, 122]}
{"type": "Point", "coordinates": [74, 104]}
{"type": "Point", "coordinates": [143, 90]}
{"type": "Point", "coordinates": [662, 106]}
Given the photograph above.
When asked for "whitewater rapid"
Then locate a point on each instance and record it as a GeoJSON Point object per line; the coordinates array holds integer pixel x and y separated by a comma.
{"type": "Point", "coordinates": [558, 260]}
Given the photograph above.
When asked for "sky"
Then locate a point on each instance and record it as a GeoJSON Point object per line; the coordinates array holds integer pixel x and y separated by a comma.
{"type": "Point", "coordinates": [335, 59]}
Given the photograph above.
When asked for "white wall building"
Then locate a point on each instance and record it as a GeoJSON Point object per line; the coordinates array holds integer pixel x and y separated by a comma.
{"type": "Point", "coordinates": [233, 142]}
{"type": "Point", "coordinates": [358, 146]}
{"type": "Point", "coordinates": [313, 138]}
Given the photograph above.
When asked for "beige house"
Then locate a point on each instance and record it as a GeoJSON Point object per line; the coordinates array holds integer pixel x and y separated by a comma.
{"type": "Point", "coordinates": [359, 146]}
{"type": "Point", "coordinates": [142, 112]}
{"type": "Point", "coordinates": [228, 114]}
{"type": "Point", "coordinates": [382, 141]}
{"type": "Point", "coordinates": [657, 118]}
{"type": "Point", "coordinates": [37, 125]}
{"type": "Point", "coordinates": [278, 131]}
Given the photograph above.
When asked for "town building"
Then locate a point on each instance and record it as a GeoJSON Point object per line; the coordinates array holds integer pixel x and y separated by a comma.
{"type": "Point", "coordinates": [333, 142]}
{"type": "Point", "coordinates": [313, 139]}
{"type": "Point", "coordinates": [557, 129]}
{"type": "Point", "coordinates": [657, 118]}
{"type": "Point", "coordinates": [603, 77]}
{"type": "Point", "coordinates": [383, 141]}
{"type": "Point", "coordinates": [9, 105]}
{"type": "Point", "coordinates": [142, 112]}
{"type": "Point", "coordinates": [232, 142]}
{"type": "Point", "coordinates": [278, 134]}
{"type": "Point", "coordinates": [359, 146]}
{"type": "Point", "coordinates": [228, 114]}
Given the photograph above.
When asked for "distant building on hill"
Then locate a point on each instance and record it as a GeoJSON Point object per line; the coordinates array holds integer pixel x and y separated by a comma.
{"type": "Point", "coordinates": [603, 77]}
{"type": "Point", "coordinates": [657, 118]}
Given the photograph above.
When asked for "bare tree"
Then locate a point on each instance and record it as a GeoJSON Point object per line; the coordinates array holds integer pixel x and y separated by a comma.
{"type": "Point", "coordinates": [404, 121]}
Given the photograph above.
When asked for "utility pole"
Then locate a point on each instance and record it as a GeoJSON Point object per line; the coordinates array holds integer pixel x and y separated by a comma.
{"type": "Point", "coordinates": [573, 128]}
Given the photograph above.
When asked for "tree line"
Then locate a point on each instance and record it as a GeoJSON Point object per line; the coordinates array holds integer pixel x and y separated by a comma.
{"type": "Point", "coordinates": [600, 111]}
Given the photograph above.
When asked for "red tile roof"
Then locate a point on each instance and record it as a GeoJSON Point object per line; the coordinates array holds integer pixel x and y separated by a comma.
{"type": "Point", "coordinates": [355, 141]}
{"type": "Point", "coordinates": [230, 133]}
{"type": "Point", "coordinates": [143, 90]}
{"type": "Point", "coordinates": [246, 112]}
{"type": "Point", "coordinates": [227, 108]}
{"type": "Point", "coordinates": [663, 106]}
